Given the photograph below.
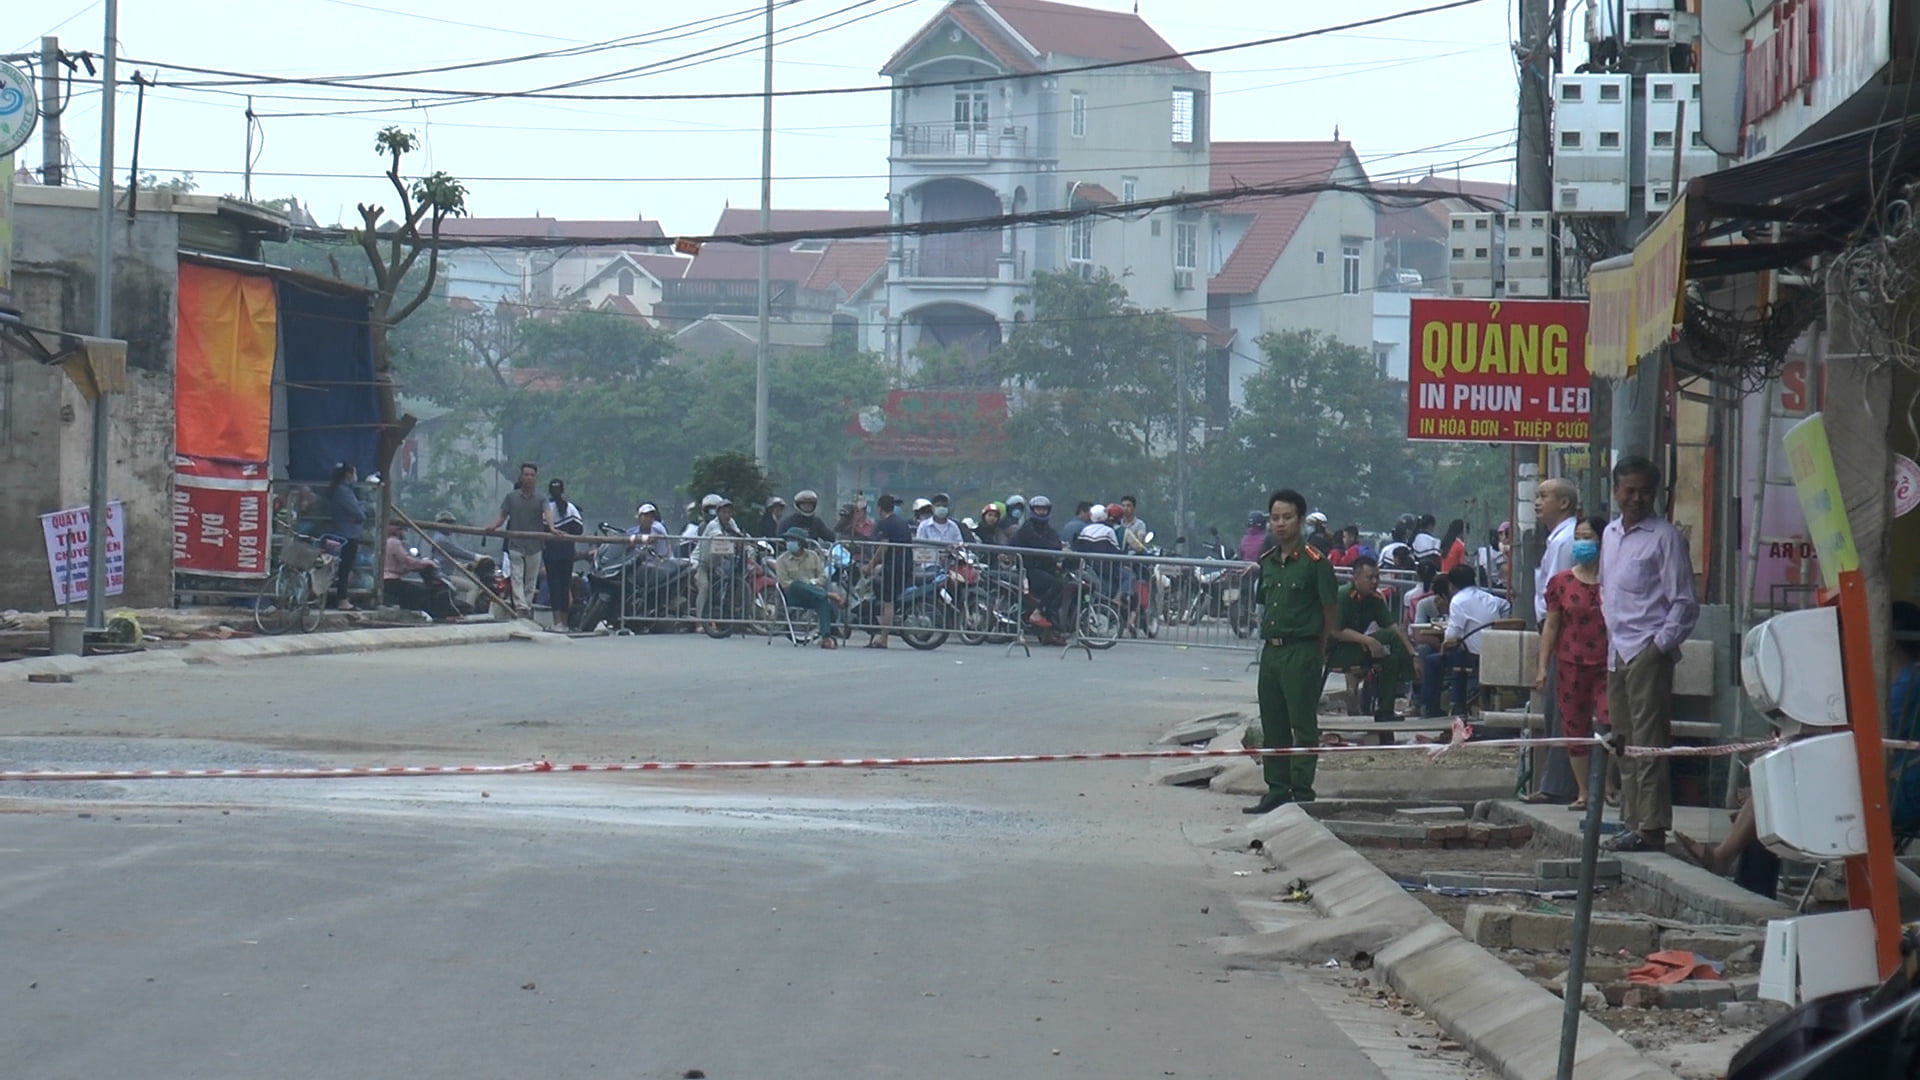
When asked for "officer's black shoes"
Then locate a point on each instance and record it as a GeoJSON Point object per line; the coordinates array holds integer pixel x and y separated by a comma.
{"type": "Point", "coordinates": [1268, 804]}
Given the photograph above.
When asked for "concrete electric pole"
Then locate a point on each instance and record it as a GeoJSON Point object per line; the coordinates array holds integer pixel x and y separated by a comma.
{"type": "Point", "coordinates": [52, 157]}
{"type": "Point", "coordinates": [765, 301]}
{"type": "Point", "coordinates": [102, 327]}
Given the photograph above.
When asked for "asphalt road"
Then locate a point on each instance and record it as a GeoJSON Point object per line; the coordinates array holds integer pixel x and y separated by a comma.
{"type": "Point", "coordinates": [1019, 921]}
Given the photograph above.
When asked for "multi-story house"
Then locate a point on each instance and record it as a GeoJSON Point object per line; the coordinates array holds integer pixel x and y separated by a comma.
{"type": "Point", "coordinates": [988, 119]}
{"type": "Point", "coordinates": [539, 276]}
{"type": "Point", "coordinates": [1287, 262]}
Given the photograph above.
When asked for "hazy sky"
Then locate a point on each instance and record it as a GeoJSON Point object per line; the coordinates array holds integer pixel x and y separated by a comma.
{"type": "Point", "coordinates": [1444, 80]}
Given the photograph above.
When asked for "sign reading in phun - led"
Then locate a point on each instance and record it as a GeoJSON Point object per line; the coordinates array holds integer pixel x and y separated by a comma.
{"type": "Point", "coordinates": [1499, 371]}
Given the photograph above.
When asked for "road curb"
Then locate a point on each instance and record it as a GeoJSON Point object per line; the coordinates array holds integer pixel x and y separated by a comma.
{"type": "Point", "coordinates": [1502, 1016]}
{"type": "Point", "coordinates": [260, 648]}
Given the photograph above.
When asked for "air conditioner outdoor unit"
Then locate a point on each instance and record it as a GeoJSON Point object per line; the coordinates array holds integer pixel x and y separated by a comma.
{"type": "Point", "coordinates": [1183, 279]}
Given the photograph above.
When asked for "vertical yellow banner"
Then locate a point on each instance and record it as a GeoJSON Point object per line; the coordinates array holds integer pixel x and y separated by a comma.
{"type": "Point", "coordinates": [1818, 485]}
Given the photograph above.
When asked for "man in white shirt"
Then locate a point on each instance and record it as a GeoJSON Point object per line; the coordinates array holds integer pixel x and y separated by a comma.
{"type": "Point", "coordinates": [1556, 506]}
{"type": "Point", "coordinates": [940, 528]}
{"type": "Point", "coordinates": [1469, 613]}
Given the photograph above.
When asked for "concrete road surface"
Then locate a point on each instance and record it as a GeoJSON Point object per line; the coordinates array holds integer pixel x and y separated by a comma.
{"type": "Point", "coordinates": [1022, 921]}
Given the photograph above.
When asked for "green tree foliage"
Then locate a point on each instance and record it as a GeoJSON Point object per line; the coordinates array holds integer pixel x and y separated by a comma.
{"type": "Point", "coordinates": [1095, 378]}
{"type": "Point", "coordinates": [1319, 417]}
{"type": "Point", "coordinates": [736, 475]}
{"type": "Point", "coordinates": [593, 346]}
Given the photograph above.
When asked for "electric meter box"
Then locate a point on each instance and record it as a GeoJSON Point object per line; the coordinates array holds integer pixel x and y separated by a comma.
{"type": "Point", "coordinates": [1790, 668]}
{"type": "Point", "coordinates": [1591, 156]}
{"type": "Point", "coordinates": [1473, 253]}
{"type": "Point", "coordinates": [1529, 264]}
{"type": "Point", "coordinates": [1806, 799]}
{"type": "Point", "coordinates": [1665, 125]}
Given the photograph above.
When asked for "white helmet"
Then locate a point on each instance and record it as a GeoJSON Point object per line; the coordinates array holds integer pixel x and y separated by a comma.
{"type": "Point", "coordinates": [921, 504]}
{"type": "Point", "coordinates": [806, 496]}
{"type": "Point", "coordinates": [1316, 518]}
{"type": "Point", "coordinates": [711, 501]}
{"type": "Point", "coordinates": [1097, 513]}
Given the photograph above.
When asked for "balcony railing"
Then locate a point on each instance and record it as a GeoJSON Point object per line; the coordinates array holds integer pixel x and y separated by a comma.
{"type": "Point", "coordinates": [962, 263]}
{"type": "Point", "coordinates": [961, 141]}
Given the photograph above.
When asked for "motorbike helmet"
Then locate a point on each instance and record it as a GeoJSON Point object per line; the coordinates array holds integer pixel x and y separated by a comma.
{"type": "Point", "coordinates": [1115, 511]}
{"type": "Point", "coordinates": [997, 507]}
{"type": "Point", "coordinates": [1015, 500]}
{"type": "Point", "coordinates": [1316, 518]}
{"type": "Point", "coordinates": [921, 504]}
{"type": "Point", "coordinates": [444, 517]}
{"type": "Point", "coordinates": [1041, 506]}
{"type": "Point", "coordinates": [645, 508]}
{"type": "Point", "coordinates": [1097, 513]}
{"type": "Point", "coordinates": [712, 501]}
{"type": "Point", "coordinates": [943, 497]}
{"type": "Point", "coordinates": [801, 498]}
{"type": "Point", "coordinates": [693, 508]}
{"type": "Point", "coordinates": [1255, 517]}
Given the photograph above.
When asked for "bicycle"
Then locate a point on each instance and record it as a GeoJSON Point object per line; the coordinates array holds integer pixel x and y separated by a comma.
{"type": "Point", "coordinates": [291, 596]}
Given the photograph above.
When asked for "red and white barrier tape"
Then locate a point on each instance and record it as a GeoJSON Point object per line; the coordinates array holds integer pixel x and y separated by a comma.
{"type": "Point", "coordinates": [1459, 738]}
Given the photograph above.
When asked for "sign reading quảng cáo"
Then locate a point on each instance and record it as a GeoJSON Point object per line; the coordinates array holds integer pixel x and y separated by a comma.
{"type": "Point", "coordinates": [1511, 371]}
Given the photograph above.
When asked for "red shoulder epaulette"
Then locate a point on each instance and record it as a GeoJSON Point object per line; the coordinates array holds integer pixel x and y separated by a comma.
{"type": "Point", "coordinates": [1312, 552]}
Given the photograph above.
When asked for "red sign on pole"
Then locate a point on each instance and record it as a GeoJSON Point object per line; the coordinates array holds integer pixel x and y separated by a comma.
{"type": "Point", "coordinates": [221, 515]}
{"type": "Point", "coordinates": [1511, 371]}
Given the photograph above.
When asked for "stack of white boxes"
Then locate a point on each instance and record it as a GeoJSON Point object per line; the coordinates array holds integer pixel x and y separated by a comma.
{"type": "Point", "coordinates": [1667, 97]}
{"type": "Point", "coordinates": [1590, 153]}
{"type": "Point", "coordinates": [1529, 263]}
{"type": "Point", "coordinates": [1475, 257]}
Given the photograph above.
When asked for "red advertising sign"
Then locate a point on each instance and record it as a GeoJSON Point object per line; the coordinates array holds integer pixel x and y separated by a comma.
{"type": "Point", "coordinates": [1511, 371]}
{"type": "Point", "coordinates": [221, 516]}
{"type": "Point", "coordinates": [965, 424]}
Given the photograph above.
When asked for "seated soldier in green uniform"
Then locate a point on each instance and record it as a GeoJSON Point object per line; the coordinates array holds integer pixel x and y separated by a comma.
{"type": "Point", "coordinates": [1354, 649]}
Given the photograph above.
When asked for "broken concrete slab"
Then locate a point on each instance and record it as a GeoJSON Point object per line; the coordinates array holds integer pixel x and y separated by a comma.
{"type": "Point", "coordinates": [1187, 772]}
{"type": "Point", "coordinates": [1201, 728]}
{"type": "Point", "coordinates": [1603, 869]}
{"type": "Point", "coordinates": [1312, 942]}
{"type": "Point", "coordinates": [1716, 943]}
{"type": "Point", "coordinates": [1242, 776]}
{"type": "Point", "coordinates": [1606, 933]}
{"type": "Point", "coordinates": [1516, 1028]}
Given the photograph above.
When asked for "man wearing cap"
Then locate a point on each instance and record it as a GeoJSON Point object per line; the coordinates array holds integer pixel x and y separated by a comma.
{"type": "Point", "coordinates": [802, 574]}
{"type": "Point", "coordinates": [940, 528]}
{"type": "Point", "coordinates": [719, 544]}
{"type": "Point", "coordinates": [805, 515]}
{"type": "Point", "coordinates": [1297, 593]}
{"type": "Point", "coordinates": [892, 564]}
{"type": "Point", "coordinates": [648, 530]}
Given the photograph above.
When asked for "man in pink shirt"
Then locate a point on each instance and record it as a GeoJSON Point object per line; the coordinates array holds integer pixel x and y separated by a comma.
{"type": "Point", "coordinates": [1647, 597]}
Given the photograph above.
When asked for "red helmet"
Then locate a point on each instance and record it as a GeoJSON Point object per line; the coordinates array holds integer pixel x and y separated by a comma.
{"type": "Point", "coordinates": [1114, 511]}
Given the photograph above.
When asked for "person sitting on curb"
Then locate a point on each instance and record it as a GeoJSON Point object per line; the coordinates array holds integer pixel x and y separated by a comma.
{"type": "Point", "coordinates": [802, 574]}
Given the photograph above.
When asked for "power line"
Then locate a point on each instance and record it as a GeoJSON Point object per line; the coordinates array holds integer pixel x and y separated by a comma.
{"type": "Point", "coordinates": [1394, 196]}
{"type": "Point", "coordinates": [239, 78]}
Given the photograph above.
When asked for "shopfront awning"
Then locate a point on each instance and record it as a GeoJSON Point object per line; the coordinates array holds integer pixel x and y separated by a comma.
{"type": "Point", "coordinates": [1635, 301]}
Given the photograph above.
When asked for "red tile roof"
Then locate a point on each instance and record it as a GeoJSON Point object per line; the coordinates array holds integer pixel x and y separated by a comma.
{"type": "Point", "coordinates": [739, 262]}
{"type": "Point", "coordinates": [848, 264]}
{"type": "Point", "coordinates": [620, 304]}
{"type": "Point", "coordinates": [546, 228]}
{"type": "Point", "coordinates": [1090, 33]}
{"type": "Point", "coordinates": [1216, 337]}
{"type": "Point", "coordinates": [1041, 28]}
{"type": "Point", "coordinates": [1092, 194]}
{"type": "Point", "coordinates": [1275, 218]}
{"type": "Point", "coordinates": [664, 267]}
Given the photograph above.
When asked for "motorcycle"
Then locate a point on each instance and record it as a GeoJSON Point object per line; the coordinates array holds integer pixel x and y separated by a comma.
{"type": "Point", "coordinates": [950, 601]}
{"type": "Point", "coordinates": [746, 592]}
{"type": "Point", "coordinates": [634, 583]}
{"type": "Point", "coordinates": [1226, 593]}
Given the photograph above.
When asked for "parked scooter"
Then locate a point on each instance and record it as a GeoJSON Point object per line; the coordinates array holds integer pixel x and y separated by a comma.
{"type": "Point", "coordinates": [632, 583]}
{"type": "Point", "coordinates": [1226, 593]}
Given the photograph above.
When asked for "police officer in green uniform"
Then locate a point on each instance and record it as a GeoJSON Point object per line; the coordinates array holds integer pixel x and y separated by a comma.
{"type": "Point", "coordinates": [1353, 649]}
{"type": "Point", "coordinates": [1297, 596]}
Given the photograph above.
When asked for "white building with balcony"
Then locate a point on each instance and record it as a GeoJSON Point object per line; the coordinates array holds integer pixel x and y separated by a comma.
{"type": "Point", "coordinates": [982, 126]}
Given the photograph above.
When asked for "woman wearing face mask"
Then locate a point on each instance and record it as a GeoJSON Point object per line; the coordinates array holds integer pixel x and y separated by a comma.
{"type": "Point", "coordinates": [1575, 637]}
{"type": "Point", "coordinates": [802, 574]}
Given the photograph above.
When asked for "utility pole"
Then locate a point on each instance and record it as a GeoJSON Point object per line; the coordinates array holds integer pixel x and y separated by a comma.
{"type": "Point", "coordinates": [1179, 450]}
{"type": "Point", "coordinates": [52, 172]}
{"type": "Point", "coordinates": [1533, 171]}
{"type": "Point", "coordinates": [766, 252]}
{"type": "Point", "coordinates": [102, 327]}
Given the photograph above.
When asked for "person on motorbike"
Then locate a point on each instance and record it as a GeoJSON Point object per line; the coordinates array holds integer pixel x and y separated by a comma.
{"type": "Point", "coordinates": [770, 518]}
{"type": "Point", "coordinates": [698, 514]}
{"type": "Point", "coordinates": [805, 516]}
{"type": "Point", "coordinates": [938, 527]}
{"type": "Point", "coordinates": [1255, 540]}
{"type": "Point", "coordinates": [1317, 536]}
{"type": "Point", "coordinates": [430, 593]}
{"type": "Point", "coordinates": [447, 547]}
{"type": "Point", "coordinates": [802, 573]}
{"type": "Point", "coordinates": [648, 530]}
{"type": "Point", "coordinates": [992, 523]}
{"type": "Point", "coordinates": [1098, 537]}
{"type": "Point", "coordinates": [1016, 514]}
{"type": "Point", "coordinates": [1043, 568]}
{"type": "Point", "coordinates": [719, 548]}
{"type": "Point", "coordinates": [922, 512]}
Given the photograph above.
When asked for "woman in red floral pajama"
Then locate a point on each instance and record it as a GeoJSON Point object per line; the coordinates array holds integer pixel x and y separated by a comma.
{"type": "Point", "coordinates": [1575, 636]}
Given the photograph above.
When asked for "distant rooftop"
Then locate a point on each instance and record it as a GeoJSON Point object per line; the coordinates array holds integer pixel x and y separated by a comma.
{"type": "Point", "coordinates": [1025, 34]}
